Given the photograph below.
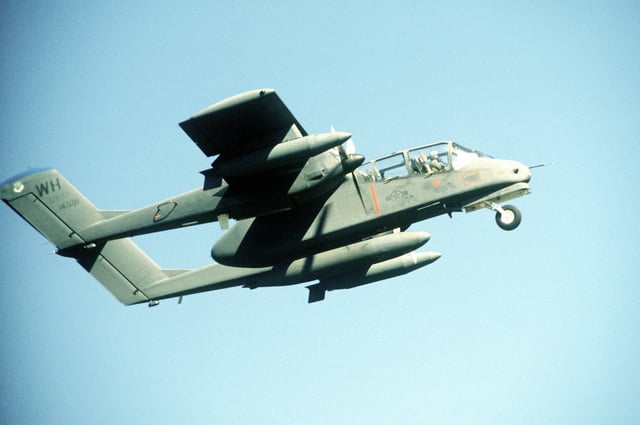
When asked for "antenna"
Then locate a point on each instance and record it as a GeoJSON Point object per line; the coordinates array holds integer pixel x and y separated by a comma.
{"type": "Point", "coordinates": [540, 165]}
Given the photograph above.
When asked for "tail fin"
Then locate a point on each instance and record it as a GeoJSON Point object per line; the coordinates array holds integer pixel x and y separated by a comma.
{"type": "Point", "coordinates": [51, 205]}
{"type": "Point", "coordinates": [57, 210]}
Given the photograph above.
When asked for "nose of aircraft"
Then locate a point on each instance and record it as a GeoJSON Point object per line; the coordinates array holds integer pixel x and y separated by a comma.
{"type": "Point", "coordinates": [512, 171]}
{"type": "Point", "coordinates": [522, 172]}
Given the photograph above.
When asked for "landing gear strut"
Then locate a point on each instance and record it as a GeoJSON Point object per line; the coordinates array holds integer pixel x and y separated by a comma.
{"type": "Point", "coordinates": [508, 217]}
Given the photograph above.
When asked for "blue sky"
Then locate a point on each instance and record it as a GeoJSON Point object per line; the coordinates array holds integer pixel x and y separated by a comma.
{"type": "Point", "coordinates": [539, 325]}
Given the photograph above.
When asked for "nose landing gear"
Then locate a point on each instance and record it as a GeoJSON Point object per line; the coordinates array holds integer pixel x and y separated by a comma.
{"type": "Point", "coordinates": [508, 217]}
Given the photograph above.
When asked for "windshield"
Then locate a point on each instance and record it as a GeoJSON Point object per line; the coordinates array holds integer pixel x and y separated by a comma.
{"type": "Point", "coordinates": [461, 156]}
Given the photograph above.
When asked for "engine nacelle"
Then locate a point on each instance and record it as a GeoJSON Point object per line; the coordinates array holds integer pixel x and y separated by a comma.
{"type": "Point", "coordinates": [276, 156]}
{"type": "Point", "coordinates": [320, 175]}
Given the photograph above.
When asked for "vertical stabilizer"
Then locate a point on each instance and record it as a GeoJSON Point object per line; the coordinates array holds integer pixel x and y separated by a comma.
{"type": "Point", "coordinates": [56, 209]}
{"type": "Point", "coordinates": [51, 205]}
{"type": "Point", "coordinates": [121, 267]}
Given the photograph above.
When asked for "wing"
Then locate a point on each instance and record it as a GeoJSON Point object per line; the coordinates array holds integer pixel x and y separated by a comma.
{"type": "Point", "coordinates": [263, 150]}
{"type": "Point", "coordinates": [243, 123]}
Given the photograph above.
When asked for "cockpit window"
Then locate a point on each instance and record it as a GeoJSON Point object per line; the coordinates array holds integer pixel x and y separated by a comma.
{"type": "Point", "coordinates": [424, 160]}
{"type": "Point", "coordinates": [430, 159]}
{"type": "Point", "coordinates": [461, 156]}
{"type": "Point", "coordinates": [383, 169]}
{"type": "Point", "coordinates": [390, 167]}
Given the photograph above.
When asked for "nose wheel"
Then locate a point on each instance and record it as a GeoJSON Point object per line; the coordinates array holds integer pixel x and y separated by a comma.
{"type": "Point", "coordinates": [508, 217]}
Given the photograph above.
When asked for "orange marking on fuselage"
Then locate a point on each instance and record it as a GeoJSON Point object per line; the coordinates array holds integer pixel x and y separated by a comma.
{"type": "Point", "coordinates": [376, 206]}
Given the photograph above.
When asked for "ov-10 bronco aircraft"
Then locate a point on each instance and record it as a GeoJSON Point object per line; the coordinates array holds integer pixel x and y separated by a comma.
{"type": "Point", "coordinates": [306, 207]}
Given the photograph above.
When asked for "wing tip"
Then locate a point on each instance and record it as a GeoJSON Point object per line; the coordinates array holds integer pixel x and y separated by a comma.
{"type": "Point", "coordinates": [233, 101]}
{"type": "Point", "coordinates": [23, 175]}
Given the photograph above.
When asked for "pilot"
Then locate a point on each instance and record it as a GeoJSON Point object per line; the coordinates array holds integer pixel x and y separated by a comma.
{"type": "Point", "coordinates": [435, 163]}
{"type": "Point", "coordinates": [420, 164]}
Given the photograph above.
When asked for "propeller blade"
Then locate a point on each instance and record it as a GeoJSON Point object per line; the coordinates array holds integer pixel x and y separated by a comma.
{"type": "Point", "coordinates": [349, 147]}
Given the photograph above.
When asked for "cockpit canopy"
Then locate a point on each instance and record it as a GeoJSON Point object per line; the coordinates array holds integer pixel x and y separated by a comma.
{"type": "Point", "coordinates": [427, 159]}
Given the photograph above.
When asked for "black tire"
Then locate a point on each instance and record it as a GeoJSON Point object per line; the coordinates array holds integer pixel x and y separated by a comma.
{"type": "Point", "coordinates": [511, 218]}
